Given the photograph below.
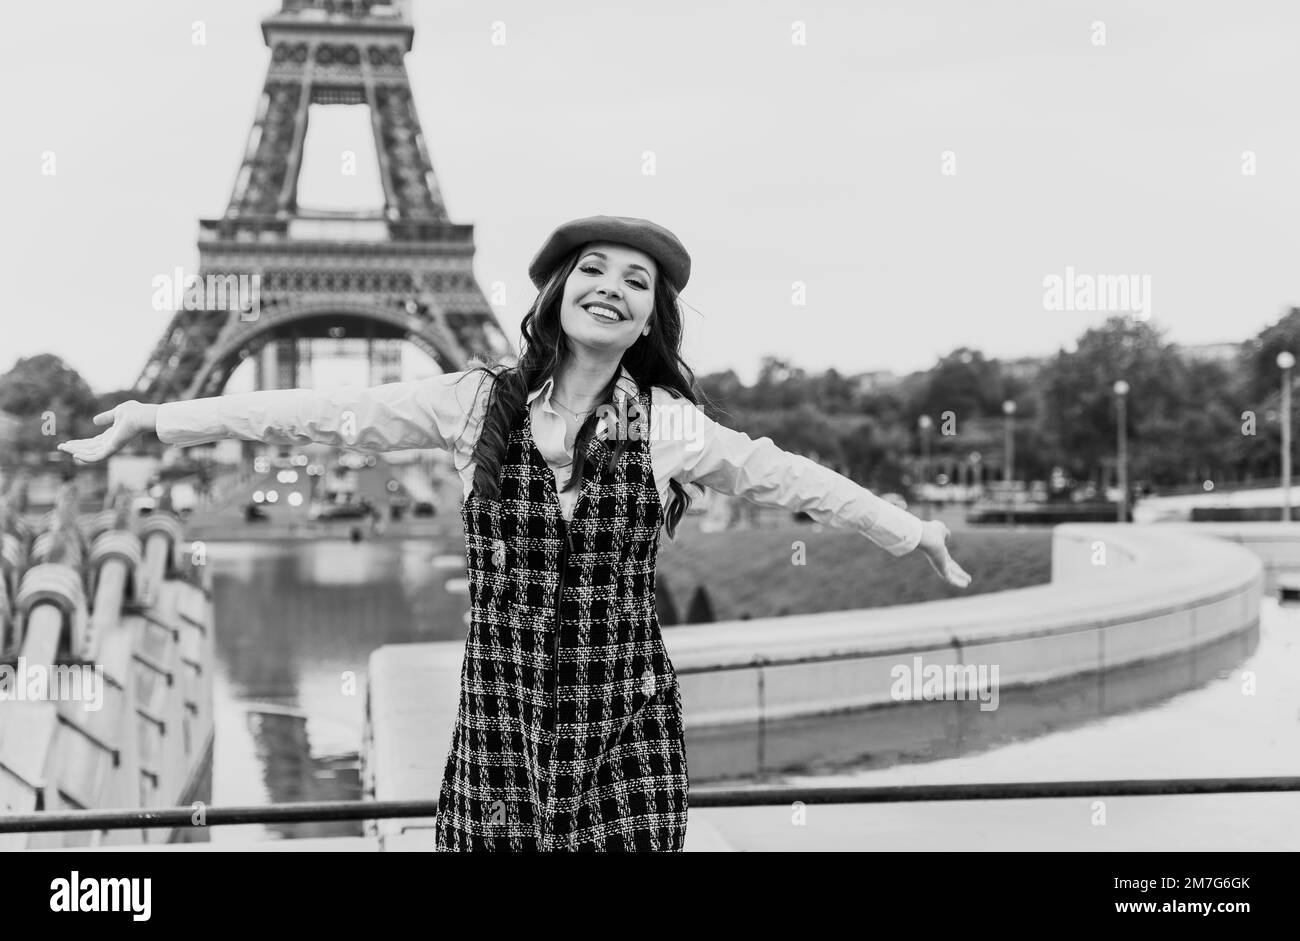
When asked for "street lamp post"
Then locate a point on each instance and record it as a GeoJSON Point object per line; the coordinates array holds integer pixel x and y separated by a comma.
{"type": "Point", "coordinates": [924, 424]}
{"type": "Point", "coordinates": [1285, 361]}
{"type": "Point", "coordinates": [1009, 410]}
{"type": "Point", "coordinates": [1121, 392]}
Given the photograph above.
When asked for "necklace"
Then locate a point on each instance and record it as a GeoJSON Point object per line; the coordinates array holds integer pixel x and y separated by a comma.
{"type": "Point", "coordinates": [569, 410]}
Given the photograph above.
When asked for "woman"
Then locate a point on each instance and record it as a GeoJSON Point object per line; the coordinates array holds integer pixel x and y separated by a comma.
{"type": "Point", "coordinates": [569, 733]}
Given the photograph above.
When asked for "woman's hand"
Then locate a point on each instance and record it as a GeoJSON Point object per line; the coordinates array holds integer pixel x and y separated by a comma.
{"type": "Point", "coordinates": [934, 539]}
{"type": "Point", "coordinates": [126, 420]}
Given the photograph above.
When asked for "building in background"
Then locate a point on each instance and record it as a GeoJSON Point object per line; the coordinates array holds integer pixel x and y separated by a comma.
{"type": "Point", "coordinates": [1226, 353]}
{"type": "Point", "coordinates": [876, 380]}
{"type": "Point", "coordinates": [1024, 368]}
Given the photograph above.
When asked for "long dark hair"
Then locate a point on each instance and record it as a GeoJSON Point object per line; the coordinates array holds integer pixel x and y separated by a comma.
{"type": "Point", "coordinates": [653, 360]}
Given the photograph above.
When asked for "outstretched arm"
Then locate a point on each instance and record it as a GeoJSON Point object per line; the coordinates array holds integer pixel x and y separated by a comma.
{"type": "Point", "coordinates": [423, 413]}
{"type": "Point", "coordinates": [732, 462]}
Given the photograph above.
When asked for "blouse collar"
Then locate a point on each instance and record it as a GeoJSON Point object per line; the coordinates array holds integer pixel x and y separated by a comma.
{"type": "Point", "coordinates": [624, 387]}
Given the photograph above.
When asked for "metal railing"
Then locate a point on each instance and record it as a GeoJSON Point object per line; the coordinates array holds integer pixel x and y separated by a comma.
{"type": "Point", "coordinates": [315, 811]}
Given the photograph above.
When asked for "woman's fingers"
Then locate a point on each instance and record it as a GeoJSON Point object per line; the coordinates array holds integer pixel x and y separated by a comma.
{"type": "Point", "coordinates": [89, 450]}
{"type": "Point", "coordinates": [124, 421]}
{"type": "Point", "coordinates": [944, 565]}
{"type": "Point", "coordinates": [956, 574]}
{"type": "Point", "coordinates": [80, 450]}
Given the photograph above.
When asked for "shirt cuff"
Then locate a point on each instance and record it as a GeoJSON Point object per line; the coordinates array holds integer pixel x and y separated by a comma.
{"type": "Point", "coordinates": [896, 530]}
{"type": "Point", "coordinates": [190, 421]}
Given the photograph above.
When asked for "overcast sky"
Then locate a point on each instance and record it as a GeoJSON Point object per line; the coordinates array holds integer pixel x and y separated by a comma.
{"type": "Point", "coordinates": [776, 162]}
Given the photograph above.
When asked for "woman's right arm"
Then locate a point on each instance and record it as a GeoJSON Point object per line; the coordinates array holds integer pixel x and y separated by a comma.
{"type": "Point", "coordinates": [421, 413]}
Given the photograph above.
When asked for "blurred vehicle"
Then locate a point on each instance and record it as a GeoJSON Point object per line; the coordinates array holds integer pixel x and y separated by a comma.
{"type": "Point", "coordinates": [254, 513]}
{"type": "Point", "coordinates": [345, 509]}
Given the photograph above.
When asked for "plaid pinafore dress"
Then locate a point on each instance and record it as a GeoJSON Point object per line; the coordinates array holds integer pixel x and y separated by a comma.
{"type": "Point", "coordinates": [569, 733]}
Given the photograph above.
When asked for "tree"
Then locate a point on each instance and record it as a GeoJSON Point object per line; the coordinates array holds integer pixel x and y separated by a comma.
{"type": "Point", "coordinates": [801, 429]}
{"type": "Point", "coordinates": [779, 385]}
{"type": "Point", "coordinates": [1080, 409]}
{"type": "Point", "coordinates": [963, 382]}
{"type": "Point", "coordinates": [835, 394]}
{"type": "Point", "coordinates": [1212, 445]}
{"type": "Point", "coordinates": [1258, 392]}
{"type": "Point", "coordinates": [1261, 375]}
{"type": "Point", "coordinates": [41, 387]}
{"type": "Point", "coordinates": [723, 390]}
{"type": "Point", "coordinates": [701, 609]}
{"type": "Point", "coordinates": [874, 454]}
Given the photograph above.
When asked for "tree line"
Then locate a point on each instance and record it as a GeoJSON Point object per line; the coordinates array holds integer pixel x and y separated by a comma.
{"type": "Point", "coordinates": [1188, 419]}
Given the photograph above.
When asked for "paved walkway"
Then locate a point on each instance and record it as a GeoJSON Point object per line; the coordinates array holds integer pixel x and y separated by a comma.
{"type": "Point", "coordinates": [1207, 823]}
{"type": "Point", "coordinates": [1213, 823]}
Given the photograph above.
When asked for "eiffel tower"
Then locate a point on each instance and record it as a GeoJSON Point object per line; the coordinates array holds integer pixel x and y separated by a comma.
{"type": "Point", "coordinates": [400, 273]}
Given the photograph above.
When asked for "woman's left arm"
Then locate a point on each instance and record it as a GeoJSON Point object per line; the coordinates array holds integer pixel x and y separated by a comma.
{"type": "Point", "coordinates": [705, 452]}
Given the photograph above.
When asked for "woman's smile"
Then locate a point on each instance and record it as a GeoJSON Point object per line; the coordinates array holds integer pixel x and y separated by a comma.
{"type": "Point", "coordinates": [604, 313]}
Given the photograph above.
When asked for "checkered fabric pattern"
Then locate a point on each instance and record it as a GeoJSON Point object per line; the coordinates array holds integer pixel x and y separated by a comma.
{"type": "Point", "coordinates": [569, 734]}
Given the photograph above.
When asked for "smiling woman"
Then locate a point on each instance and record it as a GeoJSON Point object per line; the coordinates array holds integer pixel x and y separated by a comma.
{"type": "Point", "coordinates": [628, 308]}
{"type": "Point", "coordinates": [569, 733]}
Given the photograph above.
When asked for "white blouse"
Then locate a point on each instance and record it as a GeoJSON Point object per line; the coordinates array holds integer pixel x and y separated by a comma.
{"type": "Point", "coordinates": [445, 412]}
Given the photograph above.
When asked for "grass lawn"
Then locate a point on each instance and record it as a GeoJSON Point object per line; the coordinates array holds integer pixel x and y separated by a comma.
{"type": "Point", "coordinates": [751, 572]}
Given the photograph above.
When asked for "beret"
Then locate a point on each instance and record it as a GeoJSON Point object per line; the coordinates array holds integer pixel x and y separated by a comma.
{"type": "Point", "coordinates": [656, 241]}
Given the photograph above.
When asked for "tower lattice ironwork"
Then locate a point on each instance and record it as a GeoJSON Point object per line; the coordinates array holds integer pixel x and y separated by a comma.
{"type": "Point", "coordinates": [403, 272]}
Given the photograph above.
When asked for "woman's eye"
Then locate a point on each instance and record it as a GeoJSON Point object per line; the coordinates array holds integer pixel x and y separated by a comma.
{"type": "Point", "coordinates": [597, 271]}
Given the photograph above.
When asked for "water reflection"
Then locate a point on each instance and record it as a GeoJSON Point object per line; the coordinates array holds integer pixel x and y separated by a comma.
{"type": "Point", "coordinates": [1211, 713]}
{"type": "Point", "coordinates": [928, 731]}
{"type": "Point", "coordinates": [292, 773]}
{"type": "Point", "coordinates": [296, 623]}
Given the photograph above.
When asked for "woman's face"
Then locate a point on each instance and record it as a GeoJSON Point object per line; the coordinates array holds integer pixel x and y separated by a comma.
{"type": "Point", "coordinates": [619, 282]}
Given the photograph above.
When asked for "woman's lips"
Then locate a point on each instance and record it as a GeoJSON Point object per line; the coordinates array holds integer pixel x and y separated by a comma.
{"type": "Point", "coordinates": [602, 314]}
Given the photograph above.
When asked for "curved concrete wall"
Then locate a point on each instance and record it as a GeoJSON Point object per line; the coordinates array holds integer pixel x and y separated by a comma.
{"type": "Point", "coordinates": [1120, 594]}
{"type": "Point", "coordinates": [1276, 544]}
